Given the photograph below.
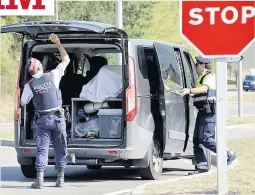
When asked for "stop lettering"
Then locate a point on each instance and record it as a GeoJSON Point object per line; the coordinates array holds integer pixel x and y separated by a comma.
{"type": "Point", "coordinates": [228, 15]}
{"type": "Point", "coordinates": [218, 28]}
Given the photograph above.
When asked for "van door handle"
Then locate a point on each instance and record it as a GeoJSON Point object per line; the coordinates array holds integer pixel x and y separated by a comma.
{"type": "Point", "coordinates": [144, 95]}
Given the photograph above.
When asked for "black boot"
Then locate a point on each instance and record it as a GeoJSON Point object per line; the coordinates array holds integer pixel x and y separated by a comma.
{"type": "Point", "coordinates": [38, 184]}
{"type": "Point", "coordinates": [197, 171]}
{"type": "Point", "coordinates": [60, 177]}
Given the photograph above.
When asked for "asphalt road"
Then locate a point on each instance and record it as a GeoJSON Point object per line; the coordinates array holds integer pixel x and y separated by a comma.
{"type": "Point", "coordinates": [234, 92]}
{"type": "Point", "coordinates": [248, 109]}
{"type": "Point", "coordinates": [79, 180]}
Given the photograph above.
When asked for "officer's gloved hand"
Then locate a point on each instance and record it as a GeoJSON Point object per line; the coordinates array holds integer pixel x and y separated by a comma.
{"type": "Point", "coordinates": [184, 92]}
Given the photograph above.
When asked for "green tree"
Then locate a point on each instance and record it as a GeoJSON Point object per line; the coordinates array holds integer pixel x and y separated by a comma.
{"type": "Point", "coordinates": [165, 24]}
{"type": "Point", "coordinates": [8, 60]}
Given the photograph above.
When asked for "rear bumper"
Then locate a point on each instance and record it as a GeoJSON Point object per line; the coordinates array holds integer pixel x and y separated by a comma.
{"type": "Point", "coordinates": [81, 152]}
{"type": "Point", "coordinates": [138, 140]}
{"type": "Point", "coordinates": [78, 156]}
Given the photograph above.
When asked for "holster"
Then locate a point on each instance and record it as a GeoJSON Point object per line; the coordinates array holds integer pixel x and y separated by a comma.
{"type": "Point", "coordinates": [209, 107]}
{"type": "Point", "coordinates": [213, 106]}
{"type": "Point", "coordinates": [62, 113]}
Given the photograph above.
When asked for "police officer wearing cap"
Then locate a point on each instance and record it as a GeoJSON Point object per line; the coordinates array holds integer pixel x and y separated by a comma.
{"type": "Point", "coordinates": [43, 89]}
{"type": "Point", "coordinates": [204, 98]}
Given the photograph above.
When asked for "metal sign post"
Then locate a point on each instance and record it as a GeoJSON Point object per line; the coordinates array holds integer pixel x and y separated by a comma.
{"type": "Point", "coordinates": [240, 88]}
{"type": "Point", "coordinates": [56, 9]}
{"type": "Point", "coordinates": [221, 118]}
{"type": "Point", "coordinates": [239, 60]}
{"type": "Point", "coordinates": [221, 132]}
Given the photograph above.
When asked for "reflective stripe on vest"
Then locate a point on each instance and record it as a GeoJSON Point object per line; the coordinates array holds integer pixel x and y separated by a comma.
{"type": "Point", "coordinates": [203, 98]}
{"type": "Point", "coordinates": [201, 78]}
{"type": "Point", "coordinates": [200, 100]}
{"type": "Point", "coordinates": [198, 81]}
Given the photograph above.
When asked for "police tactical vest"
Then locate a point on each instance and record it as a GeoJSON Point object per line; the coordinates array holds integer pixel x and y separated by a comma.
{"type": "Point", "coordinates": [46, 95]}
{"type": "Point", "coordinates": [205, 102]}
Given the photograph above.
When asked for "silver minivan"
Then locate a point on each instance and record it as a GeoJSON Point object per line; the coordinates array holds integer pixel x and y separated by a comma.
{"type": "Point", "coordinates": [154, 123]}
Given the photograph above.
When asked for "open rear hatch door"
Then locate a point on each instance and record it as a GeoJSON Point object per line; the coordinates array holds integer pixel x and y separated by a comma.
{"type": "Point", "coordinates": [65, 29]}
{"type": "Point", "coordinates": [40, 30]}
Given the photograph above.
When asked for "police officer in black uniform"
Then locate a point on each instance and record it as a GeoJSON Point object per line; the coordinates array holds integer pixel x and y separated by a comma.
{"type": "Point", "coordinates": [43, 89]}
{"type": "Point", "coordinates": [204, 98]}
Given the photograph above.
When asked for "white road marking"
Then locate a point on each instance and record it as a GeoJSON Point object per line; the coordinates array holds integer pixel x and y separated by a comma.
{"type": "Point", "coordinates": [119, 192]}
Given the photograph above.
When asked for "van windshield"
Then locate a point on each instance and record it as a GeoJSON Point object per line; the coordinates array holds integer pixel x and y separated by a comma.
{"type": "Point", "coordinates": [250, 78]}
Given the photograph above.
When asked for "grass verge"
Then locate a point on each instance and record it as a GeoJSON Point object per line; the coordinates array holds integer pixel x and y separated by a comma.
{"type": "Point", "coordinates": [247, 98]}
{"type": "Point", "coordinates": [235, 120]}
{"type": "Point", "coordinates": [7, 109]}
{"type": "Point", "coordinates": [231, 86]}
{"type": "Point", "coordinates": [7, 134]}
{"type": "Point", "coordinates": [241, 178]}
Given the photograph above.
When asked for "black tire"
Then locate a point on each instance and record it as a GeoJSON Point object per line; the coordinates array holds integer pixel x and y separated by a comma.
{"type": "Point", "coordinates": [28, 171]}
{"type": "Point", "coordinates": [94, 167]}
{"type": "Point", "coordinates": [154, 169]}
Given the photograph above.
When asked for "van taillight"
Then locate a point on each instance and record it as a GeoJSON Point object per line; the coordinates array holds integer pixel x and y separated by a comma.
{"type": "Point", "coordinates": [17, 105]}
{"type": "Point", "coordinates": [131, 91]}
{"type": "Point", "coordinates": [17, 96]}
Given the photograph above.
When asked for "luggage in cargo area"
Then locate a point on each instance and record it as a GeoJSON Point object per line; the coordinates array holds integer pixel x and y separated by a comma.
{"type": "Point", "coordinates": [96, 122]}
{"type": "Point", "coordinates": [110, 123]}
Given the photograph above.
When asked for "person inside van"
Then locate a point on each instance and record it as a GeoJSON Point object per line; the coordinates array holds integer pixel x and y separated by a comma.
{"type": "Point", "coordinates": [43, 89]}
{"type": "Point", "coordinates": [205, 101]}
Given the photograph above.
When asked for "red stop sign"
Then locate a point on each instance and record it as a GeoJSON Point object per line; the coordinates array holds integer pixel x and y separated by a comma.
{"type": "Point", "coordinates": [218, 28]}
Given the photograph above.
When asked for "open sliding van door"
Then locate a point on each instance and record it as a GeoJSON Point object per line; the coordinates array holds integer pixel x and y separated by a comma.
{"type": "Point", "coordinates": [173, 106]}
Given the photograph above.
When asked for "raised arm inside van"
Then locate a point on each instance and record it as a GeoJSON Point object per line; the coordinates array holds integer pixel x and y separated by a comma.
{"type": "Point", "coordinates": [64, 56]}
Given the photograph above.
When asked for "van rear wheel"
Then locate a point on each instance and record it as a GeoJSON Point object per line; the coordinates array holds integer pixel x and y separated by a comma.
{"type": "Point", "coordinates": [28, 171]}
{"type": "Point", "coordinates": [154, 169]}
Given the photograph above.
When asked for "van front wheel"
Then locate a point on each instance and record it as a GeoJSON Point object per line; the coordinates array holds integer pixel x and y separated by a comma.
{"type": "Point", "coordinates": [154, 169]}
{"type": "Point", "coordinates": [28, 171]}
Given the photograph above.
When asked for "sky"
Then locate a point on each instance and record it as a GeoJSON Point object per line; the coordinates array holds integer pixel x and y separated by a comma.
{"type": "Point", "coordinates": [248, 58]}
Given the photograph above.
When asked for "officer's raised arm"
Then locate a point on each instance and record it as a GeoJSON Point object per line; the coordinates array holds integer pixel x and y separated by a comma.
{"type": "Point", "coordinates": [64, 56]}
{"type": "Point", "coordinates": [59, 71]}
